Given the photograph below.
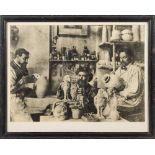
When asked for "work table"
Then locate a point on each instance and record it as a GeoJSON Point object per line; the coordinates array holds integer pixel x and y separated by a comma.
{"type": "Point", "coordinates": [38, 105]}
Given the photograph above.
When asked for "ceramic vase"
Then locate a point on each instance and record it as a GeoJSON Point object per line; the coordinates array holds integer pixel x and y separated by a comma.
{"type": "Point", "coordinates": [127, 35]}
{"type": "Point", "coordinates": [41, 87]}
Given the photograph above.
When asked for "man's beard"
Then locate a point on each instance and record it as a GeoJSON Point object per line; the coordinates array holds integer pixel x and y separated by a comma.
{"type": "Point", "coordinates": [124, 64]}
{"type": "Point", "coordinates": [24, 65]}
{"type": "Point", "coordinates": [81, 83]}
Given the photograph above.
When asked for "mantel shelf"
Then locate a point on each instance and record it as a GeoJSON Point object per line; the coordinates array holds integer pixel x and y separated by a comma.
{"type": "Point", "coordinates": [110, 67]}
{"type": "Point", "coordinates": [119, 42]}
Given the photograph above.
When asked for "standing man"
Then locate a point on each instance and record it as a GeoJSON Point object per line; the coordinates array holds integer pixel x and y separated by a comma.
{"type": "Point", "coordinates": [132, 75]}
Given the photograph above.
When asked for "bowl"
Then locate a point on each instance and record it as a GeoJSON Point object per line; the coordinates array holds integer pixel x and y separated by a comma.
{"type": "Point", "coordinates": [127, 37]}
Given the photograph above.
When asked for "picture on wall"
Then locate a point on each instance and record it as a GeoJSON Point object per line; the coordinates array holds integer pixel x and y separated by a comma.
{"type": "Point", "coordinates": [73, 30]}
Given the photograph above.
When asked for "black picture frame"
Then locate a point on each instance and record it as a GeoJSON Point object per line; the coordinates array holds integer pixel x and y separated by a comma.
{"type": "Point", "coordinates": [78, 135]}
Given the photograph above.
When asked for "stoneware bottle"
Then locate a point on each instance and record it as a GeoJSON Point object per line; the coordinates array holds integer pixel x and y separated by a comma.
{"type": "Point", "coordinates": [41, 87]}
{"type": "Point", "coordinates": [136, 32]}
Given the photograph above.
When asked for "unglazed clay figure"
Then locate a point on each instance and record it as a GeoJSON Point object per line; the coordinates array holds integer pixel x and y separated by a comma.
{"type": "Point", "coordinates": [74, 91]}
{"type": "Point", "coordinates": [113, 114]}
{"type": "Point", "coordinates": [100, 101]}
{"type": "Point", "coordinates": [66, 85]}
{"type": "Point", "coordinates": [114, 84]}
{"type": "Point", "coordinates": [60, 110]}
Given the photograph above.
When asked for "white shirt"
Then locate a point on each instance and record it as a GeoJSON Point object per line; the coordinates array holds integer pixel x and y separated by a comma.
{"type": "Point", "coordinates": [134, 83]}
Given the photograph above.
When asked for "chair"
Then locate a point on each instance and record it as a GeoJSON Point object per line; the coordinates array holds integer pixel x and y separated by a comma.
{"type": "Point", "coordinates": [133, 113]}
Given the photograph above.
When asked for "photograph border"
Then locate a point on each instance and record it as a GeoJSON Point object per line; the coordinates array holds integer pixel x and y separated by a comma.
{"type": "Point", "coordinates": [98, 135]}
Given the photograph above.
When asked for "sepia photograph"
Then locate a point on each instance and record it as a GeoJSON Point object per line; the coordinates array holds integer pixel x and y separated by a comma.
{"type": "Point", "coordinates": [77, 77]}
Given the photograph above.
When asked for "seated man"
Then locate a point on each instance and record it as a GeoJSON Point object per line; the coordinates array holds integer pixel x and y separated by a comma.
{"type": "Point", "coordinates": [85, 90]}
{"type": "Point", "coordinates": [132, 75]}
{"type": "Point", "coordinates": [19, 79]}
{"type": "Point", "coordinates": [84, 77]}
{"type": "Point", "coordinates": [19, 86]}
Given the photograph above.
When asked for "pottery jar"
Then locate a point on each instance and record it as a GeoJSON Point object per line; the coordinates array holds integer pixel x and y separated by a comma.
{"type": "Point", "coordinates": [41, 87]}
{"type": "Point", "coordinates": [113, 82]}
{"type": "Point", "coordinates": [127, 35]}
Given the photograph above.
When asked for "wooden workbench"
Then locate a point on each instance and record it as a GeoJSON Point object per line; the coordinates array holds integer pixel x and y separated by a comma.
{"type": "Point", "coordinates": [37, 105]}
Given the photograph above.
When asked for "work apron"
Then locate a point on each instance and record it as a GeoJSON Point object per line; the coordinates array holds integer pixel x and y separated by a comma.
{"type": "Point", "coordinates": [18, 110]}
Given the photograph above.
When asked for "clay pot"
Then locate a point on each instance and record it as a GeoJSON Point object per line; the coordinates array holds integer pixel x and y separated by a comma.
{"type": "Point", "coordinates": [127, 35]}
{"type": "Point", "coordinates": [76, 113]}
{"type": "Point", "coordinates": [41, 87]}
{"type": "Point", "coordinates": [112, 81]}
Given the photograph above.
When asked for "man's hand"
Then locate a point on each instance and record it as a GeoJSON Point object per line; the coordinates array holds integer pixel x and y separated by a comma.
{"type": "Point", "coordinates": [21, 82]}
{"type": "Point", "coordinates": [30, 85]}
{"type": "Point", "coordinates": [37, 76]}
{"type": "Point", "coordinates": [124, 95]}
{"type": "Point", "coordinates": [113, 72]}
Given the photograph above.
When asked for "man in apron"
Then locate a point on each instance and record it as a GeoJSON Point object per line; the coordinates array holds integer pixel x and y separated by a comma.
{"type": "Point", "coordinates": [132, 75]}
{"type": "Point", "coordinates": [18, 86]}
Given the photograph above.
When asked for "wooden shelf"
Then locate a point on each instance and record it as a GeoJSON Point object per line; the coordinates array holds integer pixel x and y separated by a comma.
{"type": "Point", "coordinates": [119, 42]}
{"type": "Point", "coordinates": [110, 67]}
{"type": "Point", "coordinates": [73, 61]}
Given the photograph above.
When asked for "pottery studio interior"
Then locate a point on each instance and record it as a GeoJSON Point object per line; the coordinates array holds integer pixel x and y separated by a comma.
{"type": "Point", "coordinates": [79, 73]}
